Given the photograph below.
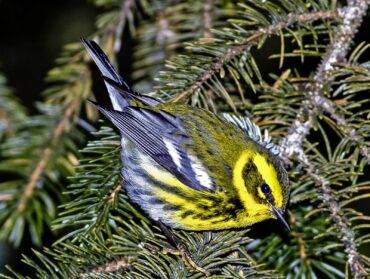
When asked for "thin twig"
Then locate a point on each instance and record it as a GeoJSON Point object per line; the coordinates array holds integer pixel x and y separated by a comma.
{"type": "Point", "coordinates": [116, 189]}
{"type": "Point", "coordinates": [353, 15]}
{"type": "Point", "coordinates": [207, 18]}
{"type": "Point", "coordinates": [253, 40]}
{"type": "Point", "coordinates": [45, 156]}
{"type": "Point", "coordinates": [298, 236]}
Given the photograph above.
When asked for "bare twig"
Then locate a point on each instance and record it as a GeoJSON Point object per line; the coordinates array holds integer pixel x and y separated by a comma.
{"type": "Point", "coordinates": [45, 155]}
{"type": "Point", "coordinates": [352, 17]}
{"type": "Point", "coordinates": [207, 18]}
{"type": "Point", "coordinates": [116, 189]}
{"type": "Point", "coordinates": [346, 234]}
{"type": "Point", "coordinates": [292, 144]}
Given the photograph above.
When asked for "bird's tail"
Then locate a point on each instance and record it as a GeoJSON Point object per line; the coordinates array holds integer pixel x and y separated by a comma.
{"type": "Point", "coordinates": [119, 100]}
{"type": "Point", "coordinates": [120, 93]}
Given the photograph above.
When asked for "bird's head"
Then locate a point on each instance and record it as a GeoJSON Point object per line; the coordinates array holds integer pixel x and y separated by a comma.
{"type": "Point", "coordinates": [262, 184]}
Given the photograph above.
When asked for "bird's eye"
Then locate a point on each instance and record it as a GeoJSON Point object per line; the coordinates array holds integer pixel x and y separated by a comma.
{"type": "Point", "coordinates": [265, 188]}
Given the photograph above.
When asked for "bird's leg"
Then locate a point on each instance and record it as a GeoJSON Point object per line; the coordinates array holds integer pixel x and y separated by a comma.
{"type": "Point", "coordinates": [180, 249]}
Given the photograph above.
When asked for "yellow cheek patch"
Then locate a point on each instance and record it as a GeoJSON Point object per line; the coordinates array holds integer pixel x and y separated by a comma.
{"type": "Point", "coordinates": [269, 175]}
{"type": "Point", "coordinates": [246, 198]}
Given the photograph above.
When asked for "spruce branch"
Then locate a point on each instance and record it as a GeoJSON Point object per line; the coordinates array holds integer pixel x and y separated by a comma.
{"type": "Point", "coordinates": [170, 25]}
{"type": "Point", "coordinates": [253, 39]}
{"type": "Point", "coordinates": [292, 144]}
{"type": "Point", "coordinates": [330, 108]}
{"type": "Point", "coordinates": [33, 153]}
{"type": "Point", "coordinates": [45, 156]}
{"type": "Point", "coordinates": [346, 234]}
{"type": "Point", "coordinates": [70, 85]}
{"type": "Point", "coordinates": [33, 205]}
{"type": "Point", "coordinates": [352, 17]}
{"type": "Point", "coordinates": [96, 174]}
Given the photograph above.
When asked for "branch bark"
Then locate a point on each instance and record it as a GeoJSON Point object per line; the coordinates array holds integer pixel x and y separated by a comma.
{"type": "Point", "coordinates": [292, 144]}
{"type": "Point", "coordinates": [45, 156]}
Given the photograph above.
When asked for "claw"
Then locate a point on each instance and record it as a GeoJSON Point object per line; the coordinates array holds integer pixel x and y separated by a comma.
{"type": "Point", "coordinates": [180, 250]}
{"type": "Point", "coordinates": [185, 255]}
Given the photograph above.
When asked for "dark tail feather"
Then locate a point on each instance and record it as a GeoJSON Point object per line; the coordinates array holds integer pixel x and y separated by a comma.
{"type": "Point", "coordinates": [119, 101]}
{"type": "Point", "coordinates": [120, 93]}
{"type": "Point", "coordinates": [103, 63]}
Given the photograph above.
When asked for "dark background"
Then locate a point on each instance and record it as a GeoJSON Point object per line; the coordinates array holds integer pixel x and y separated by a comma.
{"type": "Point", "coordinates": [32, 34]}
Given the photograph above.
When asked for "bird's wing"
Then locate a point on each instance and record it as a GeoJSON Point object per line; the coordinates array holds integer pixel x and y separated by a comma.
{"type": "Point", "coordinates": [161, 136]}
{"type": "Point", "coordinates": [120, 93]}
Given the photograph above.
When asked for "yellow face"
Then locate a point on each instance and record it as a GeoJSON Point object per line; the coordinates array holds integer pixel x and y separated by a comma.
{"type": "Point", "coordinates": [256, 180]}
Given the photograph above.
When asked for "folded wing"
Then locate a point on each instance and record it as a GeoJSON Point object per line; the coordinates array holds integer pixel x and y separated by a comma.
{"type": "Point", "coordinates": [161, 136]}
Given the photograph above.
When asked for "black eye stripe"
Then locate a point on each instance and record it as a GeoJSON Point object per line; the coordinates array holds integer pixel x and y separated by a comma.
{"type": "Point", "coordinates": [250, 167]}
{"type": "Point", "coordinates": [252, 179]}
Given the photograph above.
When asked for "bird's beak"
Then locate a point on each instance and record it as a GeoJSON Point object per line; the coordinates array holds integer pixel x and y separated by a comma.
{"type": "Point", "coordinates": [280, 216]}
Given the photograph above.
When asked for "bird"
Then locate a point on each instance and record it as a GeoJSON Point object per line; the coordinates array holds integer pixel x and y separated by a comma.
{"type": "Point", "coordinates": [189, 168]}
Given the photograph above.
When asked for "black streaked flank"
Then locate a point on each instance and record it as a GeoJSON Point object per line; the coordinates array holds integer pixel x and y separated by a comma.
{"type": "Point", "coordinates": [187, 213]}
{"type": "Point", "coordinates": [171, 207]}
{"type": "Point", "coordinates": [232, 211]}
{"type": "Point", "coordinates": [172, 190]}
{"type": "Point", "coordinates": [155, 201]}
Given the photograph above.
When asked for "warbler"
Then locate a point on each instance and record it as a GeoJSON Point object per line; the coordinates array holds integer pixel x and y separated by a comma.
{"type": "Point", "coordinates": [189, 168]}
